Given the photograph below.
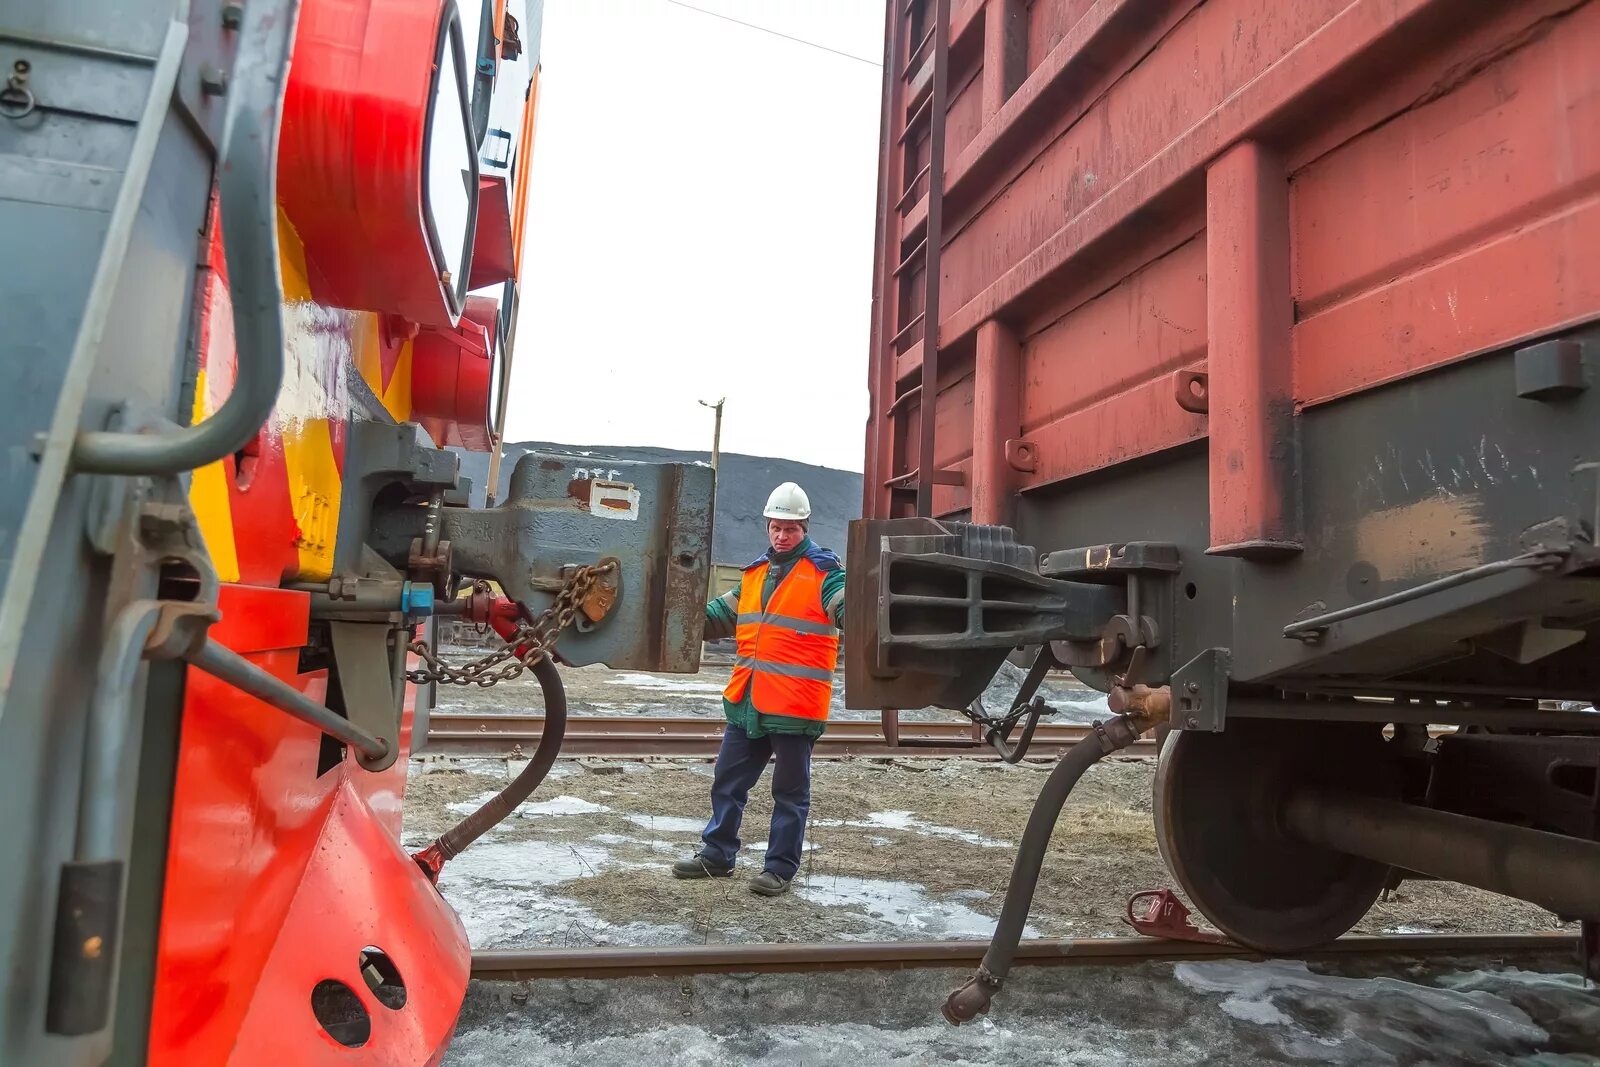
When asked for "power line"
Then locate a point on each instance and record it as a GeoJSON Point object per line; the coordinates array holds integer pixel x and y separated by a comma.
{"type": "Point", "coordinates": [775, 33]}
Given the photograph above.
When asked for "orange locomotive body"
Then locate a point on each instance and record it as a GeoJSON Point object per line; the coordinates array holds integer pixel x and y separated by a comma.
{"type": "Point", "coordinates": [231, 511]}
{"type": "Point", "coordinates": [286, 886]}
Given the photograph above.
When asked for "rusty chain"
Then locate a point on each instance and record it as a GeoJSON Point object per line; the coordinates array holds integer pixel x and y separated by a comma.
{"type": "Point", "coordinates": [535, 638]}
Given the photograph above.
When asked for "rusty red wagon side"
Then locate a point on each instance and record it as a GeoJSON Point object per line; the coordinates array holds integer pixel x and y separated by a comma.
{"type": "Point", "coordinates": [1245, 351]}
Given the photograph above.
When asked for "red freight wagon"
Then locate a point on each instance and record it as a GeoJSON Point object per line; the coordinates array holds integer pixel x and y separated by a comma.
{"type": "Point", "coordinates": [1240, 356]}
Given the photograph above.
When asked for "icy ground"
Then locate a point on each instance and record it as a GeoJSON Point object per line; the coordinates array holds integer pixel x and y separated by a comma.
{"type": "Point", "coordinates": [507, 886]}
{"type": "Point", "coordinates": [1474, 1012]}
{"type": "Point", "coordinates": [922, 850]}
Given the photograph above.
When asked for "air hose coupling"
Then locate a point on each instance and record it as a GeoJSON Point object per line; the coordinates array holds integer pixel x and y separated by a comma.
{"type": "Point", "coordinates": [1141, 708]}
{"type": "Point", "coordinates": [972, 998]}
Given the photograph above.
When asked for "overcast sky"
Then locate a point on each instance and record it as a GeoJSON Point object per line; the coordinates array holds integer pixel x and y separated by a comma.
{"type": "Point", "coordinates": [701, 225]}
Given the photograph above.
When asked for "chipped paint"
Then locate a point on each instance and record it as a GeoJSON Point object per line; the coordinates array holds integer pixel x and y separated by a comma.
{"type": "Point", "coordinates": [614, 500]}
{"type": "Point", "coordinates": [1438, 535]}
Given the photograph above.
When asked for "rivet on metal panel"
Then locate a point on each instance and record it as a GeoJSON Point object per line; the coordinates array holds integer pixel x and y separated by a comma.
{"type": "Point", "coordinates": [1191, 389]}
{"type": "Point", "coordinates": [213, 81]}
{"type": "Point", "coordinates": [1023, 456]}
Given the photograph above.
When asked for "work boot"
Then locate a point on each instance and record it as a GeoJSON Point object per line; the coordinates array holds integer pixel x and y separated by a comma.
{"type": "Point", "coordinates": [698, 867]}
{"type": "Point", "coordinates": [767, 884]}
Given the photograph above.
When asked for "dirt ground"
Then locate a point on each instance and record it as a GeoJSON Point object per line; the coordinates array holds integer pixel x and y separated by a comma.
{"type": "Point", "coordinates": [895, 849]}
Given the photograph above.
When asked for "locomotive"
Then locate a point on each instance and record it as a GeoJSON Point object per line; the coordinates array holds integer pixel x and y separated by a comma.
{"type": "Point", "coordinates": [266, 260]}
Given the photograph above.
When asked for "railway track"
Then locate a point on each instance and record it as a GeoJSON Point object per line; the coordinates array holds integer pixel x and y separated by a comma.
{"type": "Point", "coordinates": [623, 736]}
{"type": "Point", "coordinates": [621, 962]}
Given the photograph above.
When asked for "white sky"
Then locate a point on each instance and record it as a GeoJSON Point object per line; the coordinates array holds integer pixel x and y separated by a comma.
{"type": "Point", "coordinates": [701, 225]}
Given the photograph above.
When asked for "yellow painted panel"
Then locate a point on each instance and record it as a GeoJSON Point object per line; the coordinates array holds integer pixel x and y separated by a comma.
{"type": "Point", "coordinates": [319, 341]}
{"type": "Point", "coordinates": [314, 492]}
{"type": "Point", "coordinates": [208, 496]}
{"type": "Point", "coordinates": [292, 262]}
{"type": "Point", "coordinates": [398, 399]}
{"type": "Point", "coordinates": [367, 352]}
{"type": "Point", "coordinates": [367, 346]}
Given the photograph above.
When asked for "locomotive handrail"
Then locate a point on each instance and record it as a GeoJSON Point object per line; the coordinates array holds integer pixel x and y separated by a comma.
{"type": "Point", "coordinates": [247, 191]}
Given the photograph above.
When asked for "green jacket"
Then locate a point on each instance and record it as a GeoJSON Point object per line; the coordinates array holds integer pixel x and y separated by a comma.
{"type": "Point", "coordinates": [722, 620]}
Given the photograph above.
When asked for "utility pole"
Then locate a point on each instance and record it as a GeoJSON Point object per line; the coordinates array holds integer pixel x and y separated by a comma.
{"type": "Point", "coordinates": [716, 434]}
{"type": "Point", "coordinates": [716, 458]}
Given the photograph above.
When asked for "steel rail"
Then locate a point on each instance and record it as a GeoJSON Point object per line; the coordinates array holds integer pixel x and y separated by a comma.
{"type": "Point", "coordinates": [602, 735]}
{"type": "Point", "coordinates": [659, 960]}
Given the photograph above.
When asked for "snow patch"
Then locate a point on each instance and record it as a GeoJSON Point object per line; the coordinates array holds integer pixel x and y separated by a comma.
{"type": "Point", "coordinates": [903, 905]}
{"type": "Point", "coordinates": [1367, 1014]}
{"type": "Point", "coordinates": [676, 685]}
{"type": "Point", "coordinates": [488, 887]}
{"type": "Point", "coordinates": [667, 824]}
{"type": "Point", "coordinates": [908, 822]}
{"type": "Point", "coordinates": [562, 805]}
{"type": "Point", "coordinates": [761, 846]}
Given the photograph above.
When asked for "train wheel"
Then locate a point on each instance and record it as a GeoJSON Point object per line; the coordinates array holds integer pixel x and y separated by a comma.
{"type": "Point", "coordinates": [1217, 798]}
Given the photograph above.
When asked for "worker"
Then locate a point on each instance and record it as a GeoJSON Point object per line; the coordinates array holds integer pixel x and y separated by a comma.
{"type": "Point", "coordinates": [786, 613]}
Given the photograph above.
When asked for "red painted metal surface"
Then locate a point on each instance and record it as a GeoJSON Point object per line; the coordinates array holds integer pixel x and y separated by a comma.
{"type": "Point", "coordinates": [278, 876]}
{"type": "Point", "coordinates": [351, 176]}
{"type": "Point", "coordinates": [494, 257]}
{"type": "Point", "coordinates": [284, 865]}
{"type": "Point", "coordinates": [1345, 193]}
{"type": "Point", "coordinates": [450, 376]}
{"type": "Point", "coordinates": [1255, 509]}
{"type": "Point", "coordinates": [995, 421]}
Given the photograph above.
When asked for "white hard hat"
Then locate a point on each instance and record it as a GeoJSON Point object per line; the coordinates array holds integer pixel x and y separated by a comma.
{"type": "Point", "coordinates": [788, 502]}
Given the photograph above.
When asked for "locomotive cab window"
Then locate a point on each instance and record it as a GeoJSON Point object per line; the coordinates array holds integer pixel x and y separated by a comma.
{"type": "Point", "coordinates": [450, 169]}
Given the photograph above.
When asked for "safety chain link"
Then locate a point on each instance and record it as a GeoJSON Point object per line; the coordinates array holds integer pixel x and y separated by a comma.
{"type": "Point", "coordinates": [535, 638]}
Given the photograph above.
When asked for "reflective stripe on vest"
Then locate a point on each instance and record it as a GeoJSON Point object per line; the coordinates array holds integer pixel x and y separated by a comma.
{"type": "Point", "coordinates": [804, 626]}
{"type": "Point", "coordinates": [787, 652]}
{"type": "Point", "coordinates": [788, 670]}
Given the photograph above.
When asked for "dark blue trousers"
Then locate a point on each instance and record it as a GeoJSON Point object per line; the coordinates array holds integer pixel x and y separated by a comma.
{"type": "Point", "coordinates": [739, 766]}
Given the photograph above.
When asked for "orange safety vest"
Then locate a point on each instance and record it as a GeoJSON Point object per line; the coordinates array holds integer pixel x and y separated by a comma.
{"type": "Point", "coordinates": [788, 650]}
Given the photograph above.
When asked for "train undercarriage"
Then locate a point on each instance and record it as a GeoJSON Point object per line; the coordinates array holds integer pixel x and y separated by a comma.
{"type": "Point", "coordinates": [1382, 703]}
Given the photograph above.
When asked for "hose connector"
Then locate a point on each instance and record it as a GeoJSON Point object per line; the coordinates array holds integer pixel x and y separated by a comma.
{"type": "Point", "coordinates": [1143, 706]}
{"type": "Point", "coordinates": [431, 860]}
{"type": "Point", "coordinates": [972, 998]}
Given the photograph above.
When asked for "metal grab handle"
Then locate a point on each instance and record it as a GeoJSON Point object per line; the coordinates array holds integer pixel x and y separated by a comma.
{"type": "Point", "coordinates": [248, 192]}
{"type": "Point", "coordinates": [226, 664]}
{"type": "Point", "coordinates": [113, 727]}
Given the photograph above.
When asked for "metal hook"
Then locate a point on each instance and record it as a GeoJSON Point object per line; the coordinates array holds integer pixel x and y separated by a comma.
{"type": "Point", "coordinates": [16, 99]}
